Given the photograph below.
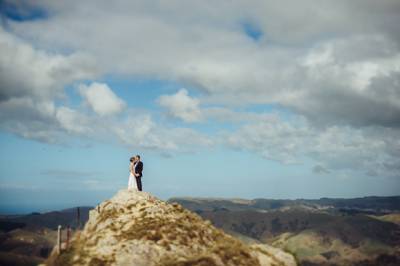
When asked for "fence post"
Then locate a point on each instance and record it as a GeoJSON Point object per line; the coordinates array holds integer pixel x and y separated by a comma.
{"type": "Point", "coordinates": [59, 239]}
{"type": "Point", "coordinates": [68, 235]}
{"type": "Point", "coordinates": [78, 218]}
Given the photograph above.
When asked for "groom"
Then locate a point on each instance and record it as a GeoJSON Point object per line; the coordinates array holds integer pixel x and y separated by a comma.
{"type": "Point", "coordinates": [138, 168]}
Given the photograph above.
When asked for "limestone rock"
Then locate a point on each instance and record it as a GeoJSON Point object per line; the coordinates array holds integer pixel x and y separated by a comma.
{"type": "Point", "coordinates": [135, 228]}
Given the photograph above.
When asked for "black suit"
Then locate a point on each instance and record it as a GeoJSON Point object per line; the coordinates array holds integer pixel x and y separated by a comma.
{"type": "Point", "coordinates": [138, 170]}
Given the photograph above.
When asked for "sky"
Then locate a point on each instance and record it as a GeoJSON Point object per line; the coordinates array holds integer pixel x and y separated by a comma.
{"type": "Point", "coordinates": [233, 99]}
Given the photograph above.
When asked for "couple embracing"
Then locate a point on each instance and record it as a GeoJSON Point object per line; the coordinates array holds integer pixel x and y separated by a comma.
{"type": "Point", "coordinates": [135, 172]}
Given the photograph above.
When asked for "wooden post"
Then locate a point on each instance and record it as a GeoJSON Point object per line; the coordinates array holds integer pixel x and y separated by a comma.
{"type": "Point", "coordinates": [78, 218]}
{"type": "Point", "coordinates": [59, 239]}
{"type": "Point", "coordinates": [68, 236]}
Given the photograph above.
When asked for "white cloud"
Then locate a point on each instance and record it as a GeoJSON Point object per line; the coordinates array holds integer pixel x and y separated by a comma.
{"type": "Point", "coordinates": [74, 122]}
{"type": "Point", "coordinates": [31, 79]}
{"type": "Point", "coordinates": [181, 105]}
{"type": "Point", "coordinates": [340, 148]}
{"type": "Point", "coordinates": [40, 74]}
{"type": "Point", "coordinates": [140, 131]}
{"type": "Point", "coordinates": [351, 51]}
{"type": "Point", "coordinates": [331, 62]}
{"type": "Point", "coordinates": [102, 99]}
{"type": "Point", "coordinates": [212, 52]}
{"type": "Point", "coordinates": [29, 118]}
{"type": "Point", "coordinates": [274, 140]}
{"type": "Point", "coordinates": [349, 81]}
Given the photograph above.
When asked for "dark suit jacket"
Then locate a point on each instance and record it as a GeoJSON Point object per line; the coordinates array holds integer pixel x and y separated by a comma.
{"type": "Point", "coordinates": [139, 168]}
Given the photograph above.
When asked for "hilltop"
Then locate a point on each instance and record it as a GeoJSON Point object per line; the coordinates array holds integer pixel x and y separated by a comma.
{"type": "Point", "coordinates": [136, 228]}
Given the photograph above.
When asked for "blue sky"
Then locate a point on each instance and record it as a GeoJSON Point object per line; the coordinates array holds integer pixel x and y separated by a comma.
{"type": "Point", "coordinates": [259, 101]}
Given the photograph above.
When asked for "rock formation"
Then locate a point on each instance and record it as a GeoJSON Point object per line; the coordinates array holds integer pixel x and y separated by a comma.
{"type": "Point", "coordinates": [136, 228]}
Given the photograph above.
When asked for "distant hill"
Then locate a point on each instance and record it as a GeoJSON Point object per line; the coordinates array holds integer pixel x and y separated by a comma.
{"type": "Point", "coordinates": [351, 229]}
{"type": "Point", "coordinates": [28, 239]}
{"type": "Point", "coordinates": [26, 247]}
{"type": "Point", "coordinates": [379, 205]}
{"type": "Point", "coordinates": [48, 219]}
{"type": "Point", "coordinates": [361, 231]}
{"type": "Point", "coordinates": [392, 217]}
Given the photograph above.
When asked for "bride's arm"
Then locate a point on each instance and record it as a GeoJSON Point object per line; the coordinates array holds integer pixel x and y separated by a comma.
{"type": "Point", "coordinates": [131, 168]}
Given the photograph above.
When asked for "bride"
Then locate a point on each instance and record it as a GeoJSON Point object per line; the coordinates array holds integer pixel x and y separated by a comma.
{"type": "Point", "coordinates": [132, 179]}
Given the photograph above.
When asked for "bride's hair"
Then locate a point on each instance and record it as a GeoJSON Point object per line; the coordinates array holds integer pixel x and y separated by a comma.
{"type": "Point", "coordinates": [131, 159]}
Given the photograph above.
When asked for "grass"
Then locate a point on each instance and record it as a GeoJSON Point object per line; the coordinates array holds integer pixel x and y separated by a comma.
{"type": "Point", "coordinates": [168, 226]}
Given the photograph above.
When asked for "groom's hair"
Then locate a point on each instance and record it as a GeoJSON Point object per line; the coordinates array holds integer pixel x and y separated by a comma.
{"type": "Point", "coordinates": [138, 156]}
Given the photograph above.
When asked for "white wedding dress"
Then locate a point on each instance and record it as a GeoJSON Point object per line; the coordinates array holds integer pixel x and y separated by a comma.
{"type": "Point", "coordinates": [132, 180]}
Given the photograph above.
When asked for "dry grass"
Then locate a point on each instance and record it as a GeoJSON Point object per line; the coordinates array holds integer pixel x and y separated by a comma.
{"type": "Point", "coordinates": [156, 224]}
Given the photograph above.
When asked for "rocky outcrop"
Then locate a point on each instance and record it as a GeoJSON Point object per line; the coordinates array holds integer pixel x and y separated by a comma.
{"type": "Point", "coordinates": [135, 228]}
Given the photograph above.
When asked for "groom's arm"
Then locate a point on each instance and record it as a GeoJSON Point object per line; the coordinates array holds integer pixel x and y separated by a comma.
{"type": "Point", "coordinates": [139, 168]}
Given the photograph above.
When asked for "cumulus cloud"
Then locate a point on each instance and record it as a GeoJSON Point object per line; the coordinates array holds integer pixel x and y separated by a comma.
{"type": "Point", "coordinates": [182, 106]}
{"type": "Point", "coordinates": [349, 81]}
{"type": "Point", "coordinates": [190, 109]}
{"type": "Point", "coordinates": [73, 121]}
{"type": "Point", "coordinates": [274, 140]}
{"type": "Point", "coordinates": [31, 80]}
{"type": "Point", "coordinates": [330, 62]}
{"type": "Point", "coordinates": [30, 119]}
{"type": "Point", "coordinates": [26, 71]}
{"type": "Point", "coordinates": [101, 99]}
{"type": "Point", "coordinates": [140, 131]}
{"type": "Point", "coordinates": [340, 148]}
{"type": "Point", "coordinates": [354, 54]}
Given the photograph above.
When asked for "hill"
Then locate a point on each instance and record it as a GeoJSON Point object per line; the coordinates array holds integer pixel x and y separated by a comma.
{"type": "Point", "coordinates": [319, 232]}
{"type": "Point", "coordinates": [371, 205]}
{"type": "Point", "coordinates": [135, 228]}
{"type": "Point", "coordinates": [26, 246]}
{"type": "Point", "coordinates": [28, 239]}
{"type": "Point", "coordinates": [323, 231]}
{"type": "Point", "coordinates": [47, 219]}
